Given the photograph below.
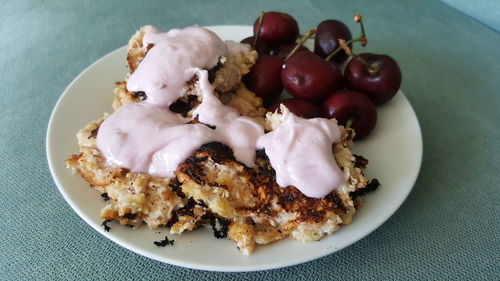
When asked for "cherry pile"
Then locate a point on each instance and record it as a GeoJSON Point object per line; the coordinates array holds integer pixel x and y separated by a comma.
{"type": "Point", "coordinates": [314, 78]}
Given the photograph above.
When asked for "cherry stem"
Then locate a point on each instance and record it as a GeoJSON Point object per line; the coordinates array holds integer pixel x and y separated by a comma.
{"type": "Point", "coordinates": [359, 19]}
{"type": "Point", "coordinates": [361, 38]}
{"type": "Point", "coordinates": [261, 20]}
{"type": "Point", "coordinates": [348, 124]}
{"type": "Point", "coordinates": [330, 56]}
{"type": "Point", "coordinates": [371, 68]}
{"type": "Point", "coordinates": [301, 42]}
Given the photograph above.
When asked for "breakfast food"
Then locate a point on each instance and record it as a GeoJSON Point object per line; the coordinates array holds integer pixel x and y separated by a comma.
{"type": "Point", "coordinates": [189, 145]}
{"type": "Point", "coordinates": [316, 76]}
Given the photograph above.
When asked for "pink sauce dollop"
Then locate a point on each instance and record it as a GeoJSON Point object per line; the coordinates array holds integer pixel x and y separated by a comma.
{"type": "Point", "coordinates": [300, 151]}
{"type": "Point", "coordinates": [173, 61]}
{"type": "Point", "coordinates": [147, 137]}
{"type": "Point", "coordinates": [150, 139]}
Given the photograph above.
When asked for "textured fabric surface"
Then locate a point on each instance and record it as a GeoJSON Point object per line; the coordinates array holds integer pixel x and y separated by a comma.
{"type": "Point", "coordinates": [485, 11]}
{"type": "Point", "coordinates": [448, 228]}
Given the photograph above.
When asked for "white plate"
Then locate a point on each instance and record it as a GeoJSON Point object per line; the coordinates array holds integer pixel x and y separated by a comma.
{"type": "Point", "coordinates": [394, 149]}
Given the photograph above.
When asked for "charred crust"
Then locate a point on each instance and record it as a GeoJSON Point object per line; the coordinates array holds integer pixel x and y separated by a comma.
{"type": "Point", "coordinates": [197, 159]}
{"type": "Point", "coordinates": [105, 225]}
{"type": "Point", "coordinates": [220, 226]}
{"type": "Point", "coordinates": [129, 216]}
{"type": "Point", "coordinates": [219, 152]}
{"type": "Point", "coordinates": [287, 198]}
{"type": "Point", "coordinates": [309, 209]}
{"type": "Point", "coordinates": [175, 185]}
{"type": "Point", "coordinates": [164, 242]}
{"type": "Point", "coordinates": [212, 73]}
{"type": "Point", "coordinates": [360, 161]}
{"type": "Point", "coordinates": [264, 196]}
{"type": "Point", "coordinates": [265, 170]}
{"type": "Point", "coordinates": [192, 168]}
{"type": "Point", "coordinates": [194, 171]}
{"type": "Point", "coordinates": [373, 185]}
{"type": "Point", "coordinates": [172, 221]}
{"type": "Point", "coordinates": [267, 174]}
{"type": "Point", "coordinates": [336, 200]}
{"type": "Point", "coordinates": [93, 133]}
{"type": "Point", "coordinates": [181, 107]}
{"type": "Point", "coordinates": [193, 121]}
{"type": "Point", "coordinates": [268, 197]}
{"type": "Point", "coordinates": [105, 196]}
{"type": "Point", "coordinates": [210, 126]}
{"type": "Point", "coordinates": [191, 84]}
{"type": "Point", "coordinates": [187, 210]}
{"type": "Point", "coordinates": [140, 96]}
{"type": "Point", "coordinates": [261, 154]}
{"type": "Point", "coordinates": [192, 100]}
{"type": "Point", "coordinates": [124, 171]}
{"type": "Point", "coordinates": [185, 104]}
{"type": "Point", "coordinates": [196, 121]}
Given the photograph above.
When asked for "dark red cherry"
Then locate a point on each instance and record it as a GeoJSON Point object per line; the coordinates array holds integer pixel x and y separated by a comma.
{"type": "Point", "coordinates": [261, 47]}
{"type": "Point", "coordinates": [306, 75]}
{"type": "Point", "coordinates": [265, 78]}
{"type": "Point", "coordinates": [277, 28]}
{"type": "Point", "coordinates": [283, 50]}
{"type": "Point", "coordinates": [327, 39]}
{"type": "Point", "coordinates": [380, 80]}
{"type": "Point", "coordinates": [300, 107]}
{"type": "Point", "coordinates": [355, 106]}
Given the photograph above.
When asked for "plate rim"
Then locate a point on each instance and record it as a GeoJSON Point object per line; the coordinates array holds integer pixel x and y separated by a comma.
{"type": "Point", "coordinates": [173, 261]}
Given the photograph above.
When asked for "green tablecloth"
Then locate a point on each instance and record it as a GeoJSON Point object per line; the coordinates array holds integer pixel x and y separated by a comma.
{"type": "Point", "coordinates": [448, 228]}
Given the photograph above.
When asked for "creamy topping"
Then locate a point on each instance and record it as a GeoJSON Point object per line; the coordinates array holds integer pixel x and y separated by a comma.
{"type": "Point", "coordinates": [147, 137]}
{"type": "Point", "coordinates": [173, 61]}
{"type": "Point", "coordinates": [300, 151]}
{"type": "Point", "coordinates": [235, 48]}
{"type": "Point", "coordinates": [239, 132]}
{"type": "Point", "coordinates": [152, 139]}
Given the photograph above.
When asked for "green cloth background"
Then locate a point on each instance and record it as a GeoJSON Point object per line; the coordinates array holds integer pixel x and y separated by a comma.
{"type": "Point", "coordinates": [448, 228]}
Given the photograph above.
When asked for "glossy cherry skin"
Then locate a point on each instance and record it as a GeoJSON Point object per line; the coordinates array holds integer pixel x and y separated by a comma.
{"type": "Point", "coordinates": [327, 39]}
{"type": "Point", "coordinates": [277, 28]}
{"type": "Point", "coordinates": [356, 106]}
{"type": "Point", "coordinates": [380, 84]}
{"type": "Point", "coordinates": [261, 47]}
{"type": "Point", "coordinates": [306, 75]}
{"type": "Point", "coordinates": [300, 107]}
{"type": "Point", "coordinates": [265, 78]}
{"type": "Point", "coordinates": [283, 50]}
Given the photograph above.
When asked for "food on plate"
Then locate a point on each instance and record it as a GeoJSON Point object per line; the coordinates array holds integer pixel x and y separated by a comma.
{"type": "Point", "coordinates": [317, 75]}
{"type": "Point", "coordinates": [353, 108]}
{"type": "Point", "coordinates": [327, 39]}
{"type": "Point", "coordinates": [189, 145]}
{"type": "Point", "coordinates": [378, 76]}
{"type": "Point", "coordinates": [306, 75]}
{"type": "Point", "coordinates": [300, 107]}
{"type": "Point", "coordinates": [276, 28]}
{"type": "Point", "coordinates": [264, 79]}
{"type": "Point", "coordinates": [258, 45]}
